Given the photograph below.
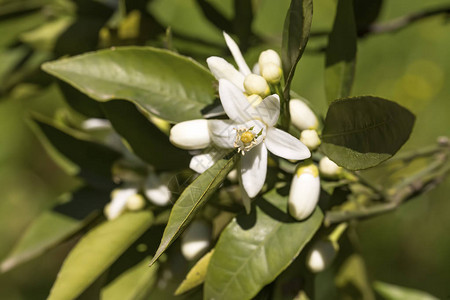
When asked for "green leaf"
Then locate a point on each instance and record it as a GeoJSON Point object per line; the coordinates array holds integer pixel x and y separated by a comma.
{"type": "Point", "coordinates": [96, 251]}
{"type": "Point", "coordinates": [146, 140]}
{"type": "Point", "coordinates": [93, 161]}
{"type": "Point", "coordinates": [192, 199]}
{"type": "Point", "coordinates": [80, 102]}
{"type": "Point", "coordinates": [254, 249]}
{"type": "Point", "coordinates": [341, 53]}
{"type": "Point", "coordinates": [56, 225]}
{"type": "Point", "coordinates": [297, 26]}
{"type": "Point", "coordinates": [196, 275]}
{"type": "Point", "coordinates": [395, 292]}
{"type": "Point", "coordinates": [361, 132]}
{"type": "Point", "coordinates": [168, 85]}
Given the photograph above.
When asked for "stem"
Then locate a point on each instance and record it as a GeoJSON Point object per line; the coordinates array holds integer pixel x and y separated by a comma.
{"type": "Point", "coordinates": [337, 232]}
{"type": "Point", "coordinates": [285, 115]}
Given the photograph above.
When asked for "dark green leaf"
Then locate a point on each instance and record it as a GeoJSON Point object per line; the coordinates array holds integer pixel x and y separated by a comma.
{"type": "Point", "coordinates": [192, 199]}
{"type": "Point", "coordinates": [254, 249]}
{"type": "Point", "coordinates": [80, 102]}
{"type": "Point", "coordinates": [297, 26]}
{"type": "Point", "coordinates": [215, 16]}
{"type": "Point", "coordinates": [242, 22]}
{"type": "Point", "coordinates": [341, 53]}
{"type": "Point", "coordinates": [160, 82]}
{"type": "Point", "coordinates": [366, 13]}
{"type": "Point", "coordinates": [56, 225]}
{"type": "Point", "coordinates": [395, 292]}
{"type": "Point", "coordinates": [92, 160]}
{"type": "Point", "coordinates": [361, 132]}
{"type": "Point", "coordinates": [146, 140]}
{"type": "Point", "coordinates": [96, 251]}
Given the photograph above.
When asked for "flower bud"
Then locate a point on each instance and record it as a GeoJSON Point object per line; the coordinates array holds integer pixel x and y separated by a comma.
{"type": "Point", "coordinates": [255, 84]}
{"type": "Point", "coordinates": [119, 198]}
{"type": "Point", "coordinates": [329, 168]}
{"type": "Point", "coordinates": [157, 192]}
{"type": "Point", "coordinates": [272, 73]}
{"type": "Point", "coordinates": [305, 191]}
{"type": "Point", "coordinates": [302, 116]}
{"type": "Point", "coordinates": [196, 239]}
{"type": "Point", "coordinates": [310, 138]}
{"type": "Point", "coordinates": [321, 255]}
{"type": "Point", "coordinates": [96, 124]}
{"type": "Point", "coordinates": [190, 135]}
{"type": "Point", "coordinates": [269, 57]}
{"type": "Point", "coordinates": [135, 202]}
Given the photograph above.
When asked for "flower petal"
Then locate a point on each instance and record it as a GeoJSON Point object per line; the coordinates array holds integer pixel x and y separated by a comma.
{"type": "Point", "coordinates": [235, 103]}
{"type": "Point", "coordinates": [269, 110]}
{"type": "Point", "coordinates": [157, 192]}
{"type": "Point", "coordinates": [202, 162]}
{"type": "Point", "coordinates": [254, 169]}
{"type": "Point", "coordinates": [285, 145]}
{"type": "Point", "coordinates": [223, 133]}
{"type": "Point", "coordinates": [237, 55]}
{"type": "Point", "coordinates": [222, 69]}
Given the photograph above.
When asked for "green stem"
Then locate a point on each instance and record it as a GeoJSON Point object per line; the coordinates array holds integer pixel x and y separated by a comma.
{"type": "Point", "coordinates": [285, 115]}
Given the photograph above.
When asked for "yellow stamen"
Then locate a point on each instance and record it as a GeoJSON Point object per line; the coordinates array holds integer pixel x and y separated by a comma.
{"type": "Point", "coordinates": [247, 137]}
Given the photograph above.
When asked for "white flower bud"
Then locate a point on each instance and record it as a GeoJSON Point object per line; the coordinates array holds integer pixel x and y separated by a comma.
{"type": "Point", "coordinates": [255, 84]}
{"type": "Point", "coordinates": [302, 116]}
{"type": "Point", "coordinates": [233, 175]}
{"type": "Point", "coordinates": [119, 198]}
{"type": "Point", "coordinates": [195, 240]}
{"type": "Point", "coordinates": [329, 168]}
{"type": "Point", "coordinates": [269, 57]}
{"type": "Point", "coordinates": [272, 73]}
{"type": "Point", "coordinates": [135, 202]}
{"type": "Point", "coordinates": [321, 255]}
{"type": "Point", "coordinates": [310, 138]}
{"type": "Point", "coordinates": [305, 191]}
{"type": "Point", "coordinates": [157, 192]}
{"type": "Point", "coordinates": [190, 135]}
{"type": "Point", "coordinates": [96, 124]}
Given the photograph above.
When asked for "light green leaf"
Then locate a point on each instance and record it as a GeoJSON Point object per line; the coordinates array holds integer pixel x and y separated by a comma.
{"type": "Point", "coordinates": [254, 249]}
{"type": "Point", "coordinates": [196, 275]}
{"type": "Point", "coordinates": [394, 292]}
{"type": "Point", "coordinates": [192, 199]}
{"type": "Point", "coordinates": [341, 53]}
{"type": "Point", "coordinates": [93, 161]}
{"type": "Point", "coordinates": [361, 132]}
{"type": "Point", "coordinates": [146, 140]}
{"type": "Point", "coordinates": [297, 26]}
{"type": "Point", "coordinates": [96, 251]}
{"type": "Point", "coordinates": [56, 225]}
{"type": "Point", "coordinates": [133, 284]}
{"type": "Point", "coordinates": [168, 85]}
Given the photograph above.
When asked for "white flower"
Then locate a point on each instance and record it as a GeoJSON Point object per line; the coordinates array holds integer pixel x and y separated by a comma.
{"type": "Point", "coordinates": [302, 116]}
{"type": "Point", "coordinates": [156, 191]}
{"type": "Point", "coordinates": [310, 138]}
{"type": "Point", "coordinates": [119, 198]}
{"type": "Point", "coordinates": [321, 255]}
{"type": "Point", "coordinates": [329, 168]}
{"type": "Point", "coordinates": [135, 202]}
{"type": "Point", "coordinates": [305, 191]}
{"type": "Point", "coordinates": [182, 137]}
{"type": "Point", "coordinates": [195, 240]}
{"type": "Point", "coordinates": [251, 130]}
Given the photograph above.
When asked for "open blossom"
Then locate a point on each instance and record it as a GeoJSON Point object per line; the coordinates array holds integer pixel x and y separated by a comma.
{"type": "Point", "coordinates": [251, 130]}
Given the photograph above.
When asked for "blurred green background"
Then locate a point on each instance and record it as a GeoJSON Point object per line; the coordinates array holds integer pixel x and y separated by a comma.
{"type": "Point", "coordinates": [409, 247]}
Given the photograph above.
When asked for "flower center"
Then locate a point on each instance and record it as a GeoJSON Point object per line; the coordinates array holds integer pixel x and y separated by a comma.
{"type": "Point", "coordinates": [246, 139]}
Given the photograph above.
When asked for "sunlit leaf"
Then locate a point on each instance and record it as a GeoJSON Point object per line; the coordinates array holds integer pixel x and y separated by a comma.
{"type": "Point", "coordinates": [96, 251]}
{"type": "Point", "coordinates": [192, 199]}
{"type": "Point", "coordinates": [254, 249]}
{"type": "Point", "coordinates": [146, 140]}
{"type": "Point", "coordinates": [160, 82]}
{"type": "Point", "coordinates": [56, 225]}
{"type": "Point", "coordinates": [341, 53]}
{"type": "Point", "coordinates": [297, 26]}
{"type": "Point", "coordinates": [394, 292]}
{"type": "Point", "coordinates": [196, 275]}
{"type": "Point", "coordinates": [361, 132]}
